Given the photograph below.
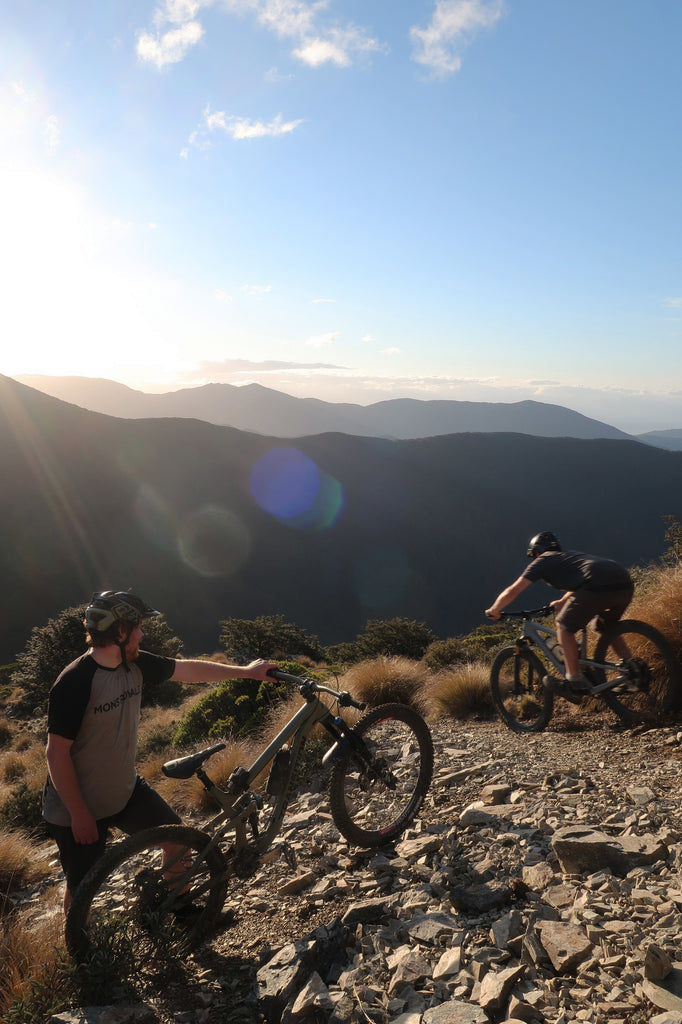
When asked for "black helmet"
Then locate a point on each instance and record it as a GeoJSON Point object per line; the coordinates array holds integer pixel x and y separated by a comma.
{"type": "Point", "coordinates": [112, 606]}
{"type": "Point", "coordinates": [542, 542]}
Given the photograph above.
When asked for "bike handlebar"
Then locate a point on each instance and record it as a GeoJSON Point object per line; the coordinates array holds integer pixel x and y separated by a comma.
{"type": "Point", "coordinates": [528, 613]}
{"type": "Point", "coordinates": [309, 686]}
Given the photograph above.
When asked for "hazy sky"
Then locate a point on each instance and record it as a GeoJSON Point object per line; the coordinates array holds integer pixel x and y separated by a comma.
{"type": "Point", "coordinates": [348, 198]}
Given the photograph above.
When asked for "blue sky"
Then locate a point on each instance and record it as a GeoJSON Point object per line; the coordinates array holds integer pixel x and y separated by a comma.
{"type": "Point", "coordinates": [468, 199]}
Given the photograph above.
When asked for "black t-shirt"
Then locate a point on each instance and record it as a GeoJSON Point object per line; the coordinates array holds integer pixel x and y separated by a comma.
{"type": "Point", "coordinates": [573, 570]}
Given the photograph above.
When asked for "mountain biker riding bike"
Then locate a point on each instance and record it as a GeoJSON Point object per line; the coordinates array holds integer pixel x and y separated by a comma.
{"type": "Point", "coordinates": [595, 588]}
{"type": "Point", "coordinates": [92, 725]}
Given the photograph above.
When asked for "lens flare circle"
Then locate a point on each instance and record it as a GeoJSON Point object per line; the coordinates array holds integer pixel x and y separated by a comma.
{"type": "Point", "coordinates": [290, 486]}
{"type": "Point", "coordinates": [214, 541]}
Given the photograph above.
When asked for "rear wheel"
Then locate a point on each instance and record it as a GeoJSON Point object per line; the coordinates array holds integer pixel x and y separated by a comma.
{"type": "Point", "coordinates": [133, 908]}
{"type": "Point", "coordinates": [647, 688]}
{"type": "Point", "coordinates": [376, 791]}
{"type": "Point", "coordinates": [516, 687]}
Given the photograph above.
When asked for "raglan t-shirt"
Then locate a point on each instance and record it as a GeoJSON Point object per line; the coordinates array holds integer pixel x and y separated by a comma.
{"type": "Point", "coordinates": [99, 709]}
{"type": "Point", "coordinates": [573, 570]}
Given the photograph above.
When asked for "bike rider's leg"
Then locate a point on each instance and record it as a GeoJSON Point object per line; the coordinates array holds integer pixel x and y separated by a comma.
{"type": "Point", "coordinates": [569, 646]}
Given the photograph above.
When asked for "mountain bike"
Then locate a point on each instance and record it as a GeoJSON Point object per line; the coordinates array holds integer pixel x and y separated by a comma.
{"type": "Point", "coordinates": [646, 688]}
{"type": "Point", "coordinates": [167, 885]}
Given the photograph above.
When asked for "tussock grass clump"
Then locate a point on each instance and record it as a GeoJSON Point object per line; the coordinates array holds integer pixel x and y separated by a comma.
{"type": "Point", "coordinates": [21, 862]}
{"type": "Point", "coordinates": [462, 692]}
{"type": "Point", "coordinates": [13, 768]}
{"type": "Point", "coordinates": [658, 601]}
{"type": "Point", "coordinates": [37, 978]}
{"type": "Point", "coordinates": [386, 680]}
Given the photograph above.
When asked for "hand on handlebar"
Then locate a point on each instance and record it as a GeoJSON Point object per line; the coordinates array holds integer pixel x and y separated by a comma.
{"type": "Point", "coordinates": [492, 614]}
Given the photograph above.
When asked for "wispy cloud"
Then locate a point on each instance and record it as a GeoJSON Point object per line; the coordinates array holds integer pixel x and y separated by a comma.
{"type": "Point", "coordinates": [243, 128]}
{"type": "Point", "coordinates": [317, 301]}
{"type": "Point", "coordinates": [256, 289]}
{"type": "Point", "coordinates": [320, 340]}
{"type": "Point", "coordinates": [338, 47]}
{"type": "Point", "coordinates": [674, 302]}
{"type": "Point", "coordinates": [452, 25]}
{"type": "Point", "coordinates": [314, 42]}
{"type": "Point", "coordinates": [169, 47]}
{"type": "Point", "coordinates": [238, 128]}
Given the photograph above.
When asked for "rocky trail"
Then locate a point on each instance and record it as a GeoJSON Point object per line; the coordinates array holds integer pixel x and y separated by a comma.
{"type": "Point", "coordinates": [542, 882]}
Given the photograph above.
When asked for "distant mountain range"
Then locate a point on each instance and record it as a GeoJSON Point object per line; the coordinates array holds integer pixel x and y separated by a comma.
{"type": "Point", "coordinates": [264, 411]}
{"type": "Point", "coordinates": [209, 522]}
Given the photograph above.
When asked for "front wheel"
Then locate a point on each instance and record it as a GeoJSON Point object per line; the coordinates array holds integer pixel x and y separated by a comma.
{"type": "Point", "coordinates": [521, 701]}
{"type": "Point", "coordinates": [158, 890]}
{"type": "Point", "coordinates": [378, 786]}
{"type": "Point", "coordinates": [647, 687]}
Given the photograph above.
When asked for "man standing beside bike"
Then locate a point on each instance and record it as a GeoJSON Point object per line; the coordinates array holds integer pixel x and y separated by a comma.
{"type": "Point", "coordinates": [595, 588]}
{"type": "Point", "coordinates": [92, 725]}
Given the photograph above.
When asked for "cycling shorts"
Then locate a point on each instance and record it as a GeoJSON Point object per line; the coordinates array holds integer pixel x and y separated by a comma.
{"type": "Point", "coordinates": [604, 606]}
{"type": "Point", "coordinates": [144, 810]}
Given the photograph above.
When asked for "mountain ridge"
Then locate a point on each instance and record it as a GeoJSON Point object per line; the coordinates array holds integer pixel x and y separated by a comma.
{"type": "Point", "coordinates": [209, 522]}
{"type": "Point", "coordinates": [263, 410]}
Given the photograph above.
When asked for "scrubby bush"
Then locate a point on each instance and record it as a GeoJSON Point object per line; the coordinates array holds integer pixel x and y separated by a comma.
{"type": "Point", "coordinates": [23, 809]}
{"type": "Point", "coordinates": [50, 648]}
{"type": "Point", "coordinates": [268, 636]}
{"type": "Point", "coordinates": [443, 653]}
{"type": "Point", "coordinates": [399, 637]}
{"type": "Point", "coordinates": [236, 707]}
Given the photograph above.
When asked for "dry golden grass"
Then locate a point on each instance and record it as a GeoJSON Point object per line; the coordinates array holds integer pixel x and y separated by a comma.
{"type": "Point", "coordinates": [22, 862]}
{"type": "Point", "coordinates": [658, 601]}
{"type": "Point", "coordinates": [386, 680]}
{"type": "Point", "coordinates": [33, 962]}
{"type": "Point", "coordinates": [461, 692]}
{"type": "Point", "coordinates": [12, 768]}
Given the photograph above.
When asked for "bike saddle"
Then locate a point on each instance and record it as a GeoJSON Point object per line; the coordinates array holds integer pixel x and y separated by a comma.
{"type": "Point", "coordinates": [185, 767]}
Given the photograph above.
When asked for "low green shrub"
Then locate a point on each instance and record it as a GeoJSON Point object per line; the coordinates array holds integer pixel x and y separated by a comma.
{"type": "Point", "coordinates": [23, 809]}
{"type": "Point", "coordinates": [236, 707]}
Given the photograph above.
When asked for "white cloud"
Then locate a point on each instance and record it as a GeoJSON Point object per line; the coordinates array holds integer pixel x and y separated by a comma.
{"type": "Point", "coordinates": [674, 302]}
{"type": "Point", "coordinates": [220, 295]}
{"type": "Point", "coordinates": [256, 289]}
{"type": "Point", "coordinates": [368, 338]}
{"type": "Point", "coordinates": [315, 43]}
{"type": "Point", "coordinates": [391, 351]}
{"type": "Point", "coordinates": [452, 24]}
{"type": "Point", "coordinates": [171, 47]}
{"type": "Point", "coordinates": [337, 47]}
{"type": "Point", "coordinates": [320, 340]}
{"type": "Point", "coordinates": [238, 128]}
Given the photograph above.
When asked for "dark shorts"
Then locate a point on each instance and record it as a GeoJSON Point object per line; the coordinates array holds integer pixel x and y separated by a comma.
{"type": "Point", "coordinates": [144, 809]}
{"type": "Point", "coordinates": [605, 606]}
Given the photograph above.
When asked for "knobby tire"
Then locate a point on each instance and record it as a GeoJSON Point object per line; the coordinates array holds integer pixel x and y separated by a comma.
{"type": "Point", "coordinates": [372, 804]}
{"type": "Point", "coordinates": [123, 909]}
{"type": "Point", "coordinates": [516, 688]}
{"type": "Point", "coordinates": [655, 695]}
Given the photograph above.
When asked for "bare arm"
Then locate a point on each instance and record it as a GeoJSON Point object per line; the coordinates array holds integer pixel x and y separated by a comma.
{"type": "Point", "coordinates": [65, 781]}
{"type": "Point", "coordinates": [195, 670]}
{"type": "Point", "coordinates": [506, 597]}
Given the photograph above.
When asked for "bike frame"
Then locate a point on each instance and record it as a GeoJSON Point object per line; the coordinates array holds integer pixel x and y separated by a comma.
{"type": "Point", "coordinates": [239, 805]}
{"type": "Point", "coordinates": [538, 634]}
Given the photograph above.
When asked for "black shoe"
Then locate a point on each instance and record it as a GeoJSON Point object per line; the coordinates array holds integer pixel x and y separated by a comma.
{"type": "Point", "coordinates": [569, 691]}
